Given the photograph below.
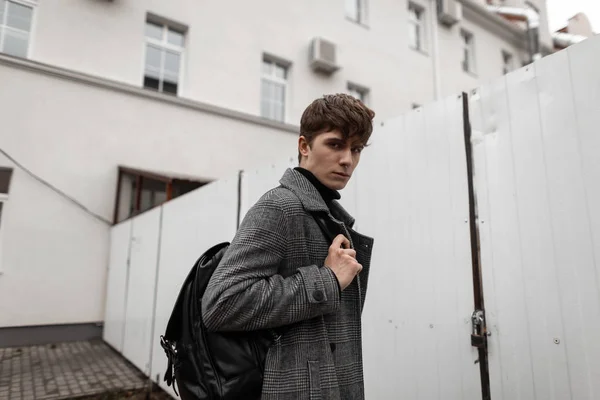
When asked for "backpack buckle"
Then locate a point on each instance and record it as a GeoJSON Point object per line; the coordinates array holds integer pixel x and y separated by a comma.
{"type": "Point", "coordinates": [171, 353]}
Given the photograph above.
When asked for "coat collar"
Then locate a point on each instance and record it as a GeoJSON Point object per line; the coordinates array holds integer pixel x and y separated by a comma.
{"type": "Point", "coordinates": [311, 198]}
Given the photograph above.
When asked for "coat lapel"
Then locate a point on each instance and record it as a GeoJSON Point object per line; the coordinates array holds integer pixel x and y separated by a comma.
{"type": "Point", "coordinates": [311, 198]}
{"type": "Point", "coordinates": [307, 193]}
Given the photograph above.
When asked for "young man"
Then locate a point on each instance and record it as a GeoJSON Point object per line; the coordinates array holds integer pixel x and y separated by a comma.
{"type": "Point", "coordinates": [282, 271]}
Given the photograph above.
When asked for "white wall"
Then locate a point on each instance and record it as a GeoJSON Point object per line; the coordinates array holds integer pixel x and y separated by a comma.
{"type": "Point", "coordinates": [74, 135]}
{"type": "Point", "coordinates": [226, 40]}
{"type": "Point", "coordinates": [53, 256]}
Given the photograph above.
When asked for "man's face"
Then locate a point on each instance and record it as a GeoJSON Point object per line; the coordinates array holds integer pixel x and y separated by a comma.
{"type": "Point", "coordinates": [331, 158]}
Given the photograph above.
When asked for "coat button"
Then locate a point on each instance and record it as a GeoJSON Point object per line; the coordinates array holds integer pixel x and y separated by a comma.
{"type": "Point", "coordinates": [318, 295]}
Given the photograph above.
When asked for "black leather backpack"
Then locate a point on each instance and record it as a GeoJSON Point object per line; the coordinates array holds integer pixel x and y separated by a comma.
{"type": "Point", "coordinates": [214, 365]}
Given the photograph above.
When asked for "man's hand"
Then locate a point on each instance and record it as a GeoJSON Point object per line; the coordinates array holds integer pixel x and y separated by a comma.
{"type": "Point", "coordinates": [342, 261]}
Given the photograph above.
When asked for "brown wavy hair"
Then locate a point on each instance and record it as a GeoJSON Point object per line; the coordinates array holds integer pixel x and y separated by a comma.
{"type": "Point", "coordinates": [337, 111]}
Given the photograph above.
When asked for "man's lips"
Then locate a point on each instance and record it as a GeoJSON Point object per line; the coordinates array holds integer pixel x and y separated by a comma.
{"type": "Point", "coordinates": [342, 174]}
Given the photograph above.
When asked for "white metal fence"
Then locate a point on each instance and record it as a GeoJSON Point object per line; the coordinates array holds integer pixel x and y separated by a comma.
{"type": "Point", "coordinates": [536, 150]}
{"type": "Point", "coordinates": [537, 173]}
{"type": "Point", "coordinates": [412, 197]}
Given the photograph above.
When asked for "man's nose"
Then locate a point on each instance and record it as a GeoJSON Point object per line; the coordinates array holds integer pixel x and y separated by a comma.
{"type": "Point", "coordinates": [346, 159]}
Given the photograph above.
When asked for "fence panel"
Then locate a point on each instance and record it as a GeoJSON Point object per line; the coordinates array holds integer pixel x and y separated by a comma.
{"type": "Point", "coordinates": [140, 289]}
{"type": "Point", "coordinates": [412, 197]}
{"type": "Point", "coordinates": [114, 317]}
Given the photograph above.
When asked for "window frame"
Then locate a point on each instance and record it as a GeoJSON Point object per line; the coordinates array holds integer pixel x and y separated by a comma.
{"type": "Point", "coordinates": [362, 14]}
{"type": "Point", "coordinates": [3, 201]}
{"type": "Point", "coordinates": [420, 24]}
{"type": "Point", "coordinates": [4, 198]}
{"type": "Point", "coordinates": [468, 45]}
{"type": "Point", "coordinates": [171, 185]}
{"type": "Point", "coordinates": [362, 91]}
{"type": "Point", "coordinates": [510, 66]}
{"type": "Point", "coordinates": [164, 45]}
{"type": "Point", "coordinates": [272, 78]}
{"type": "Point", "coordinates": [32, 4]}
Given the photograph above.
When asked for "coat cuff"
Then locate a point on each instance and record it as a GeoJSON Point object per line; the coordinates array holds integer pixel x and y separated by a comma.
{"type": "Point", "coordinates": [322, 287]}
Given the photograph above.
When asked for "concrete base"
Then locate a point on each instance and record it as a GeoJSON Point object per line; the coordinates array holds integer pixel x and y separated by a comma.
{"type": "Point", "coordinates": [46, 334]}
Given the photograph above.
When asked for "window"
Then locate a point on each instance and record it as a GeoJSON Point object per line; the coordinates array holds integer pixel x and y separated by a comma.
{"type": "Point", "coordinates": [416, 27]}
{"type": "Point", "coordinates": [5, 175]}
{"type": "Point", "coordinates": [273, 90]}
{"type": "Point", "coordinates": [359, 92]}
{"type": "Point", "coordinates": [507, 62]}
{"type": "Point", "coordinates": [356, 10]}
{"type": "Point", "coordinates": [468, 45]}
{"type": "Point", "coordinates": [15, 26]}
{"type": "Point", "coordinates": [164, 52]}
{"type": "Point", "coordinates": [139, 191]}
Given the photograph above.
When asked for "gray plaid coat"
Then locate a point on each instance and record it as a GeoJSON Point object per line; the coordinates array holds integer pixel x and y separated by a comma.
{"type": "Point", "coordinates": [272, 275]}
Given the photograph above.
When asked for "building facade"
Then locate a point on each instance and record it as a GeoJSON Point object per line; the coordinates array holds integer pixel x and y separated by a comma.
{"type": "Point", "coordinates": [108, 107]}
{"type": "Point", "coordinates": [254, 58]}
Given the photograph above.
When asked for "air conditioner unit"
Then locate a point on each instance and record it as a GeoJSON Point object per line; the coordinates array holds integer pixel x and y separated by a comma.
{"type": "Point", "coordinates": [322, 56]}
{"type": "Point", "coordinates": [449, 12]}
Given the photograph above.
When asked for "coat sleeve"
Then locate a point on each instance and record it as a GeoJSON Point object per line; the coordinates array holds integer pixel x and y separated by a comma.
{"type": "Point", "coordinates": [247, 293]}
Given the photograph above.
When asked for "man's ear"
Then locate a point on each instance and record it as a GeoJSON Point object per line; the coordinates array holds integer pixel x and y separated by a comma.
{"type": "Point", "coordinates": [303, 146]}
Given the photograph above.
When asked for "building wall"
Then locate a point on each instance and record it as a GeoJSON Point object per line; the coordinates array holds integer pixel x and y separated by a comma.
{"type": "Point", "coordinates": [74, 131]}
{"type": "Point", "coordinates": [74, 135]}
{"type": "Point", "coordinates": [488, 58]}
{"type": "Point", "coordinates": [225, 43]}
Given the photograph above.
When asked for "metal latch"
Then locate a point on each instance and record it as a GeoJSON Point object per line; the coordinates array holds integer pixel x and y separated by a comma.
{"type": "Point", "coordinates": [478, 329]}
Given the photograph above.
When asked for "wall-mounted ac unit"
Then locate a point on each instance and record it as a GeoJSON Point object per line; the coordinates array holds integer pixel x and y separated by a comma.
{"type": "Point", "coordinates": [322, 56]}
{"type": "Point", "coordinates": [449, 12]}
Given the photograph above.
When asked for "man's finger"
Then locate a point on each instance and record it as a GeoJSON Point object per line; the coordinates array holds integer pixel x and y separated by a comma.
{"type": "Point", "coordinates": [340, 241]}
{"type": "Point", "coordinates": [350, 252]}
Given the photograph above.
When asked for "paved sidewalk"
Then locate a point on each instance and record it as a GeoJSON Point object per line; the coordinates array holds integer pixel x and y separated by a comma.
{"type": "Point", "coordinates": [64, 371]}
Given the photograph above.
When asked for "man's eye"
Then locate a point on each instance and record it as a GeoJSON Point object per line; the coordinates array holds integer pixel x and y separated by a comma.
{"type": "Point", "coordinates": [358, 149]}
{"type": "Point", "coordinates": [334, 145]}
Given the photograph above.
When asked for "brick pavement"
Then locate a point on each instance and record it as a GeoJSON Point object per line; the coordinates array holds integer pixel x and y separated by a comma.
{"type": "Point", "coordinates": [64, 371]}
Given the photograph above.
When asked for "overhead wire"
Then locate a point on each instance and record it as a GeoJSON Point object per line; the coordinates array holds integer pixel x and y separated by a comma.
{"type": "Point", "coordinates": [54, 188]}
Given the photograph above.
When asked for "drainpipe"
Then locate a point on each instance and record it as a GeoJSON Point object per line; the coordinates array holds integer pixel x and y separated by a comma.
{"type": "Point", "coordinates": [563, 40]}
{"type": "Point", "coordinates": [435, 50]}
{"type": "Point", "coordinates": [529, 16]}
